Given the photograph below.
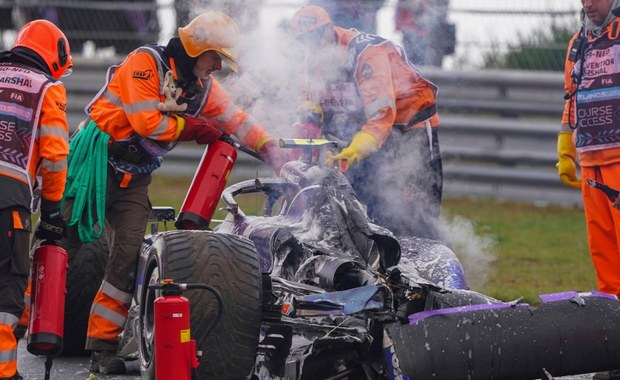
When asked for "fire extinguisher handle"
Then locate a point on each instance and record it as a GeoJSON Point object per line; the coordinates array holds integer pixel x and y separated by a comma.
{"type": "Point", "coordinates": [228, 139]}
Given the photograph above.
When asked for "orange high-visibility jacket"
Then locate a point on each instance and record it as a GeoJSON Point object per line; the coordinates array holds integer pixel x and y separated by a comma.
{"type": "Point", "coordinates": [127, 105]}
{"type": "Point", "coordinates": [380, 84]}
{"type": "Point", "coordinates": [33, 129]}
{"type": "Point", "coordinates": [596, 102]}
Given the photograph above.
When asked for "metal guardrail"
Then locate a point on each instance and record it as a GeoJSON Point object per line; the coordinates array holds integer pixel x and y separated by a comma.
{"type": "Point", "coordinates": [497, 134]}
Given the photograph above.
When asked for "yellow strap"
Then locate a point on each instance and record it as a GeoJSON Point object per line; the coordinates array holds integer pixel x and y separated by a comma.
{"type": "Point", "coordinates": [180, 126]}
{"type": "Point", "coordinates": [262, 142]}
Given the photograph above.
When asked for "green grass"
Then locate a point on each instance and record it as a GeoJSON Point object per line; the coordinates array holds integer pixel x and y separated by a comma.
{"type": "Point", "coordinates": [509, 250]}
{"type": "Point", "coordinates": [169, 191]}
{"type": "Point", "coordinates": [530, 250]}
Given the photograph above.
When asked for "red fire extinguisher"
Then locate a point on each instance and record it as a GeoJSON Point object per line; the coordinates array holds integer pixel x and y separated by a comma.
{"type": "Point", "coordinates": [175, 351]}
{"type": "Point", "coordinates": [47, 302]}
{"type": "Point", "coordinates": [207, 186]}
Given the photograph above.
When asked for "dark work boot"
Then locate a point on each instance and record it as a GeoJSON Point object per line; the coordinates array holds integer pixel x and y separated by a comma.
{"type": "Point", "coordinates": [17, 376]}
{"type": "Point", "coordinates": [614, 374]}
{"type": "Point", "coordinates": [106, 362]}
{"type": "Point", "coordinates": [19, 331]}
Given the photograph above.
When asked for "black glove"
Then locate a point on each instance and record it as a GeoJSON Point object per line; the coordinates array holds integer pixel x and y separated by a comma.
{"type": "Point", "coordinates": [52, 225]}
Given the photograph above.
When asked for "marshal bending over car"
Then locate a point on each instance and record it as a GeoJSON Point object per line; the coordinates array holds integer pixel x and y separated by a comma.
{"type": "Point", "coordinates": [311, 289]}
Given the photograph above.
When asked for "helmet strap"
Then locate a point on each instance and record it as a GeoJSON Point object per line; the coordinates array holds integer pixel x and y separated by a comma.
{"type": "Point", "coordinates": [184, 63]}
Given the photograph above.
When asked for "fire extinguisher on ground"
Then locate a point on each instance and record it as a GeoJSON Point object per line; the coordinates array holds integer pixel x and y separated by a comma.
{"type": "Point", "coordinates": [175, 351]}
{"type": "Point", "coordinates": [47, 302]}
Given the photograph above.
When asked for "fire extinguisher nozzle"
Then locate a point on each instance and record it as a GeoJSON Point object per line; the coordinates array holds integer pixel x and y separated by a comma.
{"type": "Point", "coordinates": [48, 367]}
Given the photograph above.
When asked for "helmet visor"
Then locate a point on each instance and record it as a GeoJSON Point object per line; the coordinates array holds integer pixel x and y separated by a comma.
{"type": "Point", "coordinates": [228, 58]}
{"type": "Point", "coordinates": [67, 72]}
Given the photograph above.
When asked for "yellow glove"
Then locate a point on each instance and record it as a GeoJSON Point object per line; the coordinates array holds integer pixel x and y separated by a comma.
{"type": "Point", "coordinates": [362, 145]}
{"type": "Point", "coordinates": [329, 160]}
{"type": "Point", "coordinates": [567, 154]}
{"type": "Point", "coordinates": [310, 112]}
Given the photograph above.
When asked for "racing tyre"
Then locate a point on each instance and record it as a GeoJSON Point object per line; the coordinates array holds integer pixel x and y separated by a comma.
{"type": "Point", "coordinates": [228, 263]}
{"type": "Point", "coordinates": [84, 276]}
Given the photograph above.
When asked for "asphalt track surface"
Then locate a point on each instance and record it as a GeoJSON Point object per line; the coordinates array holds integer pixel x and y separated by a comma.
{"type": "Point", "coordinates": [76, 368]}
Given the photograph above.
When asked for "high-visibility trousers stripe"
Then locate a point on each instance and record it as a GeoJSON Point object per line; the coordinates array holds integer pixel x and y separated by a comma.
{"type": "Point", "coordinates": [8, 347]}
{"type": "Point", "coordinates": [108, 314]}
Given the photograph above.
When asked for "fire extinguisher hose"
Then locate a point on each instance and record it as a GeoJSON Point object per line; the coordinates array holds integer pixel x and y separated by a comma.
{"type": "Point", "coordinates": [169, 285]}
{"type": "Point", "coordinates": [220, 304]}
{"type": "Point", "coordinates": [86, 180]}
{"type": "Point", "coordinates": [218, 315]}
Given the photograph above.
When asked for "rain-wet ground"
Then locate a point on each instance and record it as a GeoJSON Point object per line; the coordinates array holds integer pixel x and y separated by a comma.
{"type": "Point", "coordinates": [76, 368]}
{"type": "Point", "coordinates": [64, 368]}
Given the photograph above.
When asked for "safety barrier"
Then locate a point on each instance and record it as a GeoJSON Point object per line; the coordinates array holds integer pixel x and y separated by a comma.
{"type": "Point", "coordinates": [497, 134]}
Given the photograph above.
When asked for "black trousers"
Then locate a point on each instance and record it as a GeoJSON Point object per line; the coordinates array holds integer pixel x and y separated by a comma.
{"type": "Point", "coordinates": [127, 213]}
{"type": "Point", "coordinates": [15, 228]}
{"type": "Point", "coordinates": [402, 183]}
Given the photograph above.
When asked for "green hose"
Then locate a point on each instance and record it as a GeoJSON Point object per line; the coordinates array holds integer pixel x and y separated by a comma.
{"type": "Point", "coordinates": [87, 180]}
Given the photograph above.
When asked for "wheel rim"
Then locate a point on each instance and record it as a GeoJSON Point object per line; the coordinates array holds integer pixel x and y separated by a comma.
{"type": "Point", "coordinates": [147, 317]}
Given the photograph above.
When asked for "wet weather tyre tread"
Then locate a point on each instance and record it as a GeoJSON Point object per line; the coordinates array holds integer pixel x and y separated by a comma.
{"type": "Point", "coordinates": [230, 264]}
{"type": "Point", "coordinates": [84, 276]}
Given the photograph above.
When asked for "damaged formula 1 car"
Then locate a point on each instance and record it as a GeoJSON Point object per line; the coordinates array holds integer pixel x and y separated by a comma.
{"type": "Point", "coordinates": [313, 290]}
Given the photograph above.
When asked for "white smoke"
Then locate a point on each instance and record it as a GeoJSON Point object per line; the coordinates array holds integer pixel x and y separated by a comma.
{"type": "Point", "coordinates": [475, 251]}
{"type": "Point", "coordinates": [268, 84]}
